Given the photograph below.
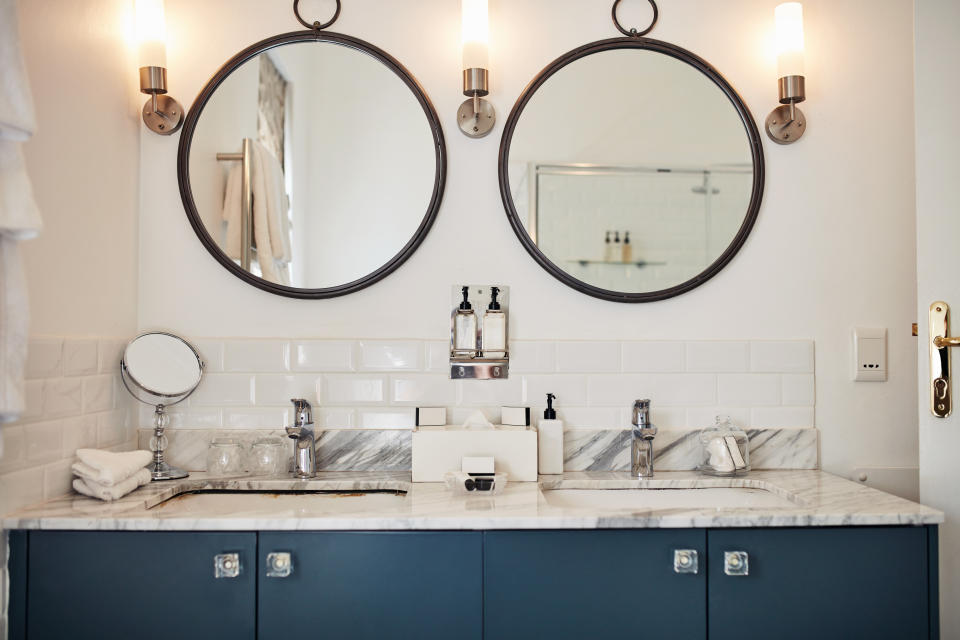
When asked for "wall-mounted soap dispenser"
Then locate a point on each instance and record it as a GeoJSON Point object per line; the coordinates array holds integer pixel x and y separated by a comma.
{"type": "Point", "coordinates": [478, 350]}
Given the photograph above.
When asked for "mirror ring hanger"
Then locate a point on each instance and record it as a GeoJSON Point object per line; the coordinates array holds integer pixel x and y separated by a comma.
{"type": "Point", "coordinates": [336, 14]}
{"type": "Point", "coordinates": [632, 33]}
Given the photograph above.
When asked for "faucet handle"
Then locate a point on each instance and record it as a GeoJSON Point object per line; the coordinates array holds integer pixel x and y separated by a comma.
{"type": "Point", "coordinates": [303, 413]}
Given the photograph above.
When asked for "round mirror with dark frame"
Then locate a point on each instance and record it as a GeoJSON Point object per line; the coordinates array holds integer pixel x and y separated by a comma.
{"type": "Point", "coordinates": [312, 164]}
{"type": "Point", "coordinates": [630, 169]}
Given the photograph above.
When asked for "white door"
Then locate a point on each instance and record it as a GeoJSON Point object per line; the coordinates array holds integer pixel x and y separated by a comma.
{"type": "Point", "coordinates": [937, 51]}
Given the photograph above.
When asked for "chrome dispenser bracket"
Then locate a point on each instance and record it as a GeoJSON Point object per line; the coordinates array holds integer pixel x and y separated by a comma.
{"type": "Point", "coordinates": [941, 396]}
{"type": "Point", "coordinates": [480, 364]}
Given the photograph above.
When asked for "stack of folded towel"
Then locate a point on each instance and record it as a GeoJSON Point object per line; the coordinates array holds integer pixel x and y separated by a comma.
{"type": "Point", "coordinates": [110, 476]}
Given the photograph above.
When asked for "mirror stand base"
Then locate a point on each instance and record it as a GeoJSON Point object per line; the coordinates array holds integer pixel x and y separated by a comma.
{"type": "Point", "coordinates": [163, 471]}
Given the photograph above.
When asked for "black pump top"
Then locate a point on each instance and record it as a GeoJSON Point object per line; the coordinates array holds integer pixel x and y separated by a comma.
{"type": "Point", "coordinates": [465, 305]}
{"type": "Point", "coordinates": [626, 237]}
{"type": "Point", "coordinates": [550, 413]}
{"type": "Point", "coordinates": [494, 305]}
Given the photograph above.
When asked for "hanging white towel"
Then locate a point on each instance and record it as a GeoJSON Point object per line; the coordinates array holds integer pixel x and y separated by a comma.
{"type": "Point", "coordinates": [232, 212]}
{"type": "Point", "coordinates": [270, 219]}
{"type": "Point", "coordinates": [115, 492]}
{"type": "Point", "coordinates": [107, 467]}
{"type": "Point", "coordinates": [19, 216]}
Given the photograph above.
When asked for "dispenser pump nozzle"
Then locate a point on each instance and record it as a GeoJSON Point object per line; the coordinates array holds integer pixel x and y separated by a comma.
{"type": "Point", "coordinates": [550, 413]}
{"type": "Point", "coordinates": [494, 304]}
{"type": "Point", "coordinates": [465, 305]}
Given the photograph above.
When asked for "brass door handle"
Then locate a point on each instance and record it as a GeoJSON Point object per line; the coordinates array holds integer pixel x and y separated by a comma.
{"type": "Point", "coordinates": [941, 395]}
{"type": "Point", "coordinates": [942, 343]}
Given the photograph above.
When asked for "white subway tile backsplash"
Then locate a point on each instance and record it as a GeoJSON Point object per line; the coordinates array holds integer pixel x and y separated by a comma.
{"type": "Point", "coordinates": [652, 357]}
{"type": "Point", "coordinates": [98, 393]}
{"type": "Point", "coordinates": [663, 417]}
{"type": "Point", "coordinates": [717, 356]}
{"type": "Point", "coordinates": [20, 489]}
{"type": "Point", "coordinates": [701, 417]}
{"type": "Point", "coordinates": [218, 389]}
{"type": "Point", "coordinates": [44, 358]}
{"type": "Point", "coordinates": [279, 389]}
{"type": "Point", "coordinates": [458, 415]}
{"type": "Point", "coordinates": [323, 355]}
{"type": "Point", "coordinates": [256, 418]}
{"type": "Point", "coordinates": [44, 441]}
{"type": "Point", "coordinates": [438, 356]}
{"type": "Point", "coordinates": [582, 417]}
{"type": "Point", "coordinates": [385, 355]}
{"type": "Point", "coordinates": [353, 389]}
{"type": "Point", "coordinates": [396, 418]}
{"type": "Point", "coordinates": [334, 417]}
{"type": "Point", "coordinates": [112, 428]}
{"type": "Point", "coordinates": [211, 352]}
{"type": "Point", "coordinates": [425, 389]}
{"type": "Point", "coordinates": [256, 355]}
{"type": "Point", "coordinates": [664, 389]}
{"type": "Point", "coordinates": [80, 357]}
{"type": "Point", "coordinates": [33, 399]}
{"type": "Point", "coordinates": [533, 357]}
{"type": "Point", "coordinates": [14, 454]}
{"type": "Point", "coordinates": [491, 393]}
{"type": "Point", "coordinates": [62, 397]}
{"type": "Point", "coordinates": [748, 389]}
{"type": "Point", "coordinates": [570, 389]}
{"type": "Point", "coordinates": [109, 353]}
{"type": "Point", "coordinates": [57, 479]}
{"type": "Point", "coordinates": [794, 356]}
{"type": "Point", "coordinates": [79, 432]}
{"type": "Point", "coordinates": [183, 416]}
{"type": "Point", "coordinates": [782, 417]}
{"type": "Point", "coordinates": [588, 357]}
{"type": "Point", "coordinates": [798, 389]}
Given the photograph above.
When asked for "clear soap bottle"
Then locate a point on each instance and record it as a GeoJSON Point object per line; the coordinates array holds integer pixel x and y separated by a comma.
{"type": "Point", "coordinates": [494, 328]}
{"type": "Point", "coordinates": [627, 248]}
{"type": "Point", "coordinates": [465, 327]}
{"type": "Point", "coordinates": [616, 253]}
{"type": "Point", "coordinates": [725, 449]}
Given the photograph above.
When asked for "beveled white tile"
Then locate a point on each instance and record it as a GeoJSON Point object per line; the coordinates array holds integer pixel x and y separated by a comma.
{"type": "Point", "coordinates": [183, 416]}
{"type": "Point", "coordinates": [112, 428]}
{"type": "Point", "coordinates": [717, 356]}
{"type": "Point", "coordinates": [323, 355]}
{"type": "Point", "coordinates": [702, 417]}
{"type": "Point", "coordinates": [79, 357]}
{"type": "Point", "coordinates": [219, 389]}
{"type": "Point", "coordinates": [533, 356]}
{"type": "Point", "coordinates": [490, 393]}
{"type": "Point", "coordinates": [663, 417]}
{"type": "Point", "coordinates": [438, 356]}
{"type": "Point", "coordinates": [256, 418]}
{"type": "Point", "coordinates": [256, 355]}
{"type": "Point", "coordinates": [62, 397]}
{"type": "Point", "coordinates": [20, 488]}
{"type": "Point", "coordinates": [44, 441]}
{"type": "Point", "coordinates": [334, 417]}
{"type": "Point", "coordinates": [388, 355]}
{"type": "Point", "coordinates": [278, 389]}
{"type": "Point", "coordinates": [33, 400]}
{"type": "Point", "coordinates": [798, 389]}
{"type": "Point", "coordinates": [458, 415]}
{"type": "Point", "coordinates": [396, 418]}
{"type": "Point", "coordinates": [763, 417]}
{"type": "Point", "coordinates": [795, 356]}
{"type": "Point", "coordinates": [583, 417]}
{"type": "Point", "coordinates": [14, 448]}
{"type": "Point", "coordinates": [109, 354]}
{"type": "Point", "coordinates": [427, 389]}
{"type": "Point", "coordinates": [652, 357]}
{"type": "Point", "coordinates": [79, 433]}
{"type": "Point", "coordinates": [570, 389]}
{"type": "Point", "coordinates": [588, 357]}
{"type": "Point", "coordinates": [57, 479]}
{"type": "Point", "coordinates": [211, 352]}
{"type": "Point", "coordinates": [97, 393]}
{"type": "Point", "coordinates": [748, 389]}
{"type": "Point", "coordinates": [664, 389]}
{"type": "Point", "coordinates": [44, 358]}
{"type": "Point", "coordinates": [340, 389]}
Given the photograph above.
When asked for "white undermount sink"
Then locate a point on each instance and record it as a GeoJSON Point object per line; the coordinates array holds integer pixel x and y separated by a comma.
{"type": "Point", "coordinates": [644, 499]}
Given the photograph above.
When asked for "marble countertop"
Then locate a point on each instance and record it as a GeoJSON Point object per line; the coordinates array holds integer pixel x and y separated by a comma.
{"type": "Point", "coordinates": [795, 498]}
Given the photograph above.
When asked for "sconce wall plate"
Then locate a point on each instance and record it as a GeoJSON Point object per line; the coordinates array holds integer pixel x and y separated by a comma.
{"type": "Point", "coordinates": [162, 114]}
{"type": "Point", "coordinates": [476, 117]}
{"type": "Point", "coordinates": [786, 124]}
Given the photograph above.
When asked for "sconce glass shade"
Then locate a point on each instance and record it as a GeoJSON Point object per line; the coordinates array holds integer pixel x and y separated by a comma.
{"type": "Point", "coordinates": [151, 29]}
{"type": "Point", "coordinates": [475, 33]}
{"type": "Point", "coordinates": [789, 29]}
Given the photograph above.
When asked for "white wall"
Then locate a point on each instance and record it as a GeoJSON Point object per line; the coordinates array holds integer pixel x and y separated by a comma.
{"type": "Point", "coordinates": [832, 247]}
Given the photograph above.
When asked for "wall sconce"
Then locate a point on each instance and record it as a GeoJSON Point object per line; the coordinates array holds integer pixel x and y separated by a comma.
{"type": "Point", "coordinates": [161, 113]}
{"type": "Point", "coordinates": [786, 123]}
{"type": "Point", "coordinates": [475, 116]}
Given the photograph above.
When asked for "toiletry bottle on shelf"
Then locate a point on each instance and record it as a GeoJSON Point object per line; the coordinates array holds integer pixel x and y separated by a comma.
{"type": "Point", "coordinates": [465, 327]}
{"type": "Point", "coordinates": [607, 249]}
{"type": "Point", "coordinates": [494, 328]}
{"type": "Point", "coordinates": [616, 252]}
{"type": "Point", "coordinates": [550, 440]}
{"type": "Point", "coordinates": [627, 248]}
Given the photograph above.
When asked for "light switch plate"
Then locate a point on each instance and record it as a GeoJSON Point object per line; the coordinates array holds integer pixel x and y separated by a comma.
{"type": "Point", "coordinates": [869, 354]}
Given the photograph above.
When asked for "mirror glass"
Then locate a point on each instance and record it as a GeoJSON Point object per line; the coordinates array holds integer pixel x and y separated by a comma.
{"type": "Point", "coordinates": [162, 364]}
{"type": "Point", "coordinates": [344, 169]}
{"type": "Point", "coordinates": [630, 171]}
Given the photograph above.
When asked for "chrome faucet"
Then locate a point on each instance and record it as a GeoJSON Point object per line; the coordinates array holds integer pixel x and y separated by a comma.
{"type": "Point", "coordinates": [643, 432]}
{"type": "Point", "coordinates": [304, 446]}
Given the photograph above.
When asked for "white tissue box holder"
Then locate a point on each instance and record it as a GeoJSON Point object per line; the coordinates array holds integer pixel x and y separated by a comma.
{"type": "Point", "coordinates": [437, 450]}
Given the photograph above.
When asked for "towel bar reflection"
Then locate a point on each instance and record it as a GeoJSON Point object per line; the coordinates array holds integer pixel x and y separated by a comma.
{"type": "Point", "coordinates": [246, 200]}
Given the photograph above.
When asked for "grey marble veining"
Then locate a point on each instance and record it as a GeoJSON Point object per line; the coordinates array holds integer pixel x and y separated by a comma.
{"type": "Point", "coordinates": [812, 498]}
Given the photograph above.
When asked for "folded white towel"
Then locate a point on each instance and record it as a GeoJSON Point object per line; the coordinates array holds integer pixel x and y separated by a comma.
{"type": "Point", "coordinates": [114, 492]}
{"type": "Point", "coordinates": [17, 119]}
{"type": "Point", "coordinates": [108, 468]}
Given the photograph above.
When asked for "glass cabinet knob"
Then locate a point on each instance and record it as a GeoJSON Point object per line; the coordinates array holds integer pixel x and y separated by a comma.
{"type": "Point", "coordinates": [685, 561]}
{"type": "Point", "coordinates": [226, 565]}
{"type": "Point", "coordinates": [279, 564]}
{"type": "Point", "coordinates": [736, 563]}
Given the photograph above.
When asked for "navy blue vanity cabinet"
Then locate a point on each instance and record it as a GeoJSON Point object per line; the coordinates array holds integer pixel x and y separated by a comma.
{"type": "Point", "coordinates": [105, 585]}
{"type": "Point", "coordinates": [371, 585]}
{"type": "Point", "coordinates": [855, 582]}
{"type": "Point", "coordinates": [593, 584]}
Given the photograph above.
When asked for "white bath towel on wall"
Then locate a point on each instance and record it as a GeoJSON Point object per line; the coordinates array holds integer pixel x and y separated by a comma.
{"type": "Point", "coordinates": [19, 216]}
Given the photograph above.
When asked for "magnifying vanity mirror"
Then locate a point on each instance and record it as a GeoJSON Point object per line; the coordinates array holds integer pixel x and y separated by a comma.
{"type": "Point", "coordinates": [161, 369]}
{"type": "Point", "coordinates": [630, 169]}
{"type": "Point", "coordinates": [312, 164]}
